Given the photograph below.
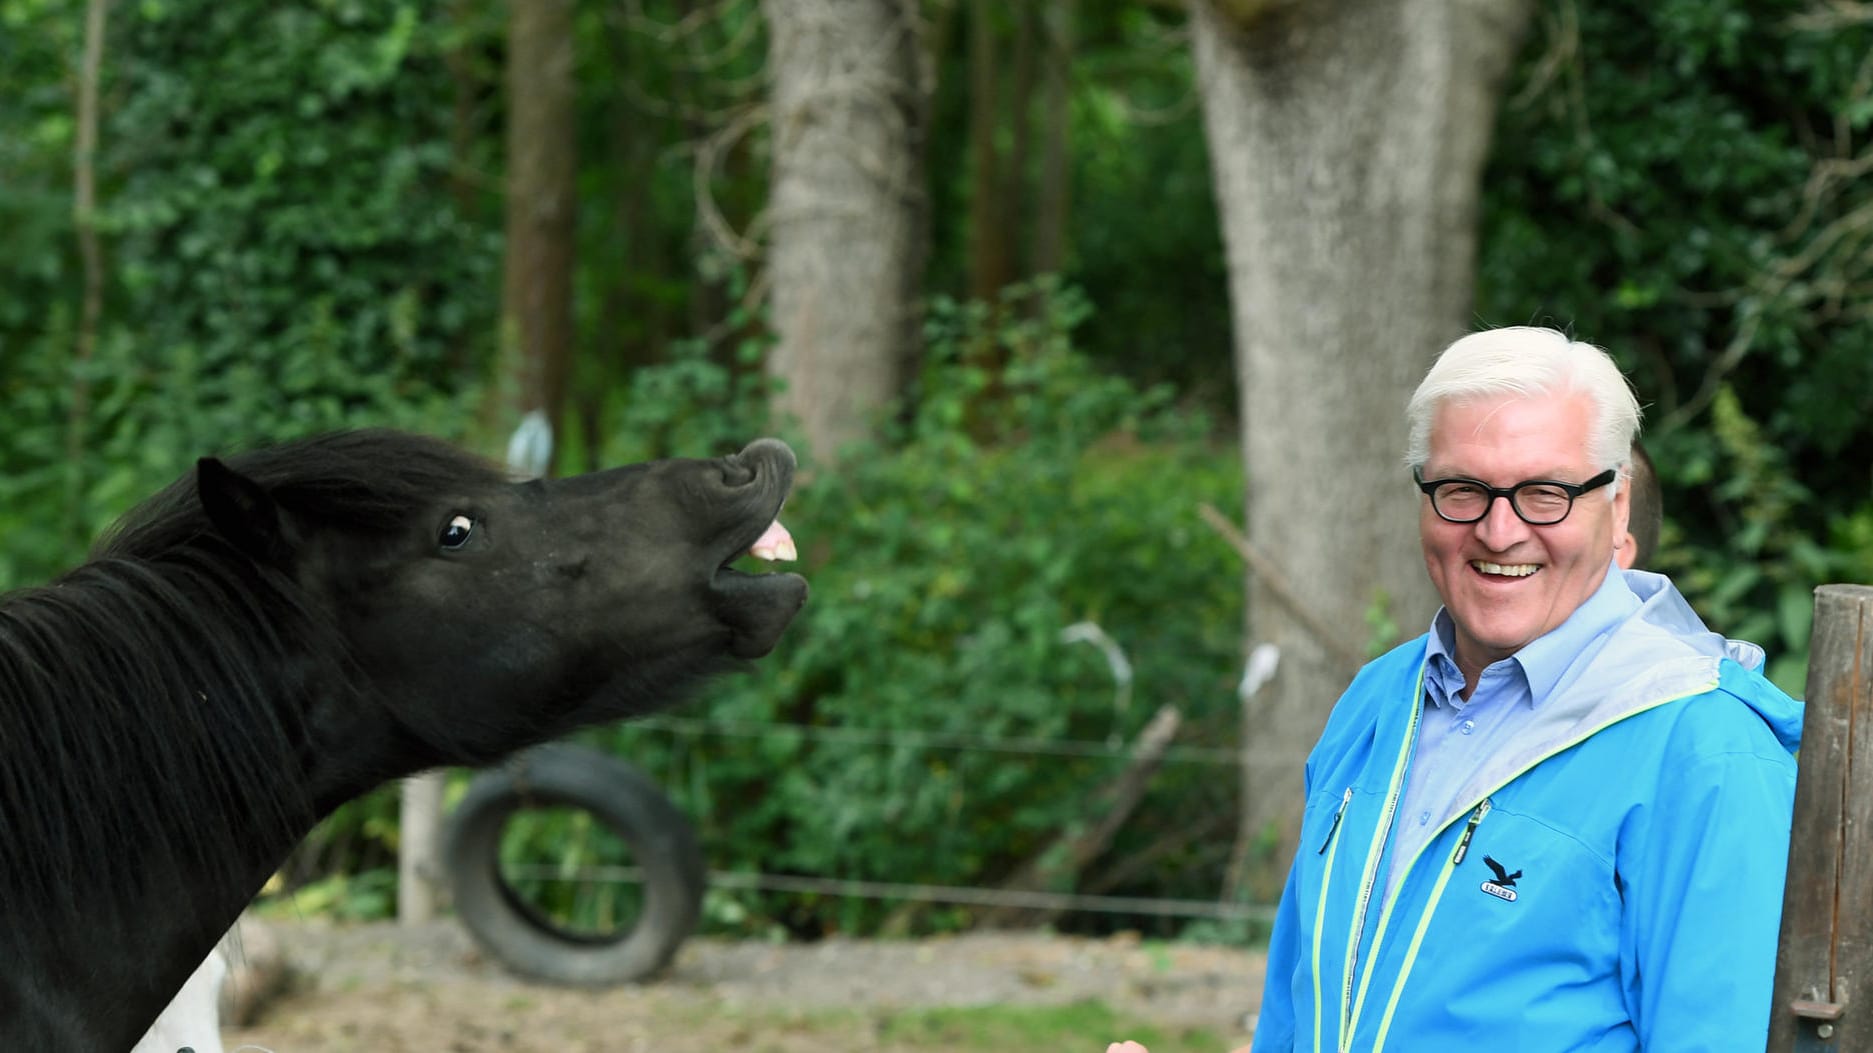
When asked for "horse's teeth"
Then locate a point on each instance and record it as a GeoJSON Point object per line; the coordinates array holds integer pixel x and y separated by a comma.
{"type": "Point", "coordinates": [775, 544]}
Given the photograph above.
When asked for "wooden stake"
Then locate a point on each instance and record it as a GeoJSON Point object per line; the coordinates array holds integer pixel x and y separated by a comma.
{"type": "Point", "coordinates": [1824, 963]}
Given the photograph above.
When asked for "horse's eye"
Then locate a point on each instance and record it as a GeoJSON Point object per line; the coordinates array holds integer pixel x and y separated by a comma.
{"type": "Point", "coordinates": [456, 533]}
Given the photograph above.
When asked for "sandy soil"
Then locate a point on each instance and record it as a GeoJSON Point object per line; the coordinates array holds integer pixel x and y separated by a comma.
{"type": "Point", "coordinates": [428, 988]}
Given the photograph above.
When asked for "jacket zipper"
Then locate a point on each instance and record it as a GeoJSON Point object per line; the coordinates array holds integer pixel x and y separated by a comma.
{"type": "Point", "coordinates": [1469, 831]}
{"type": "Point", "coordinates": [1345, 799]}
{"type": "Point", "coordinates": [1424, 920]}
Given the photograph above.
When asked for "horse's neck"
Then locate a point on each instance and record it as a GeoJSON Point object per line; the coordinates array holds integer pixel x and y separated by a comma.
{"type": "Point", "coordinates": [154, 772]}
{"type": "Point", "coordinates": [97, 981]}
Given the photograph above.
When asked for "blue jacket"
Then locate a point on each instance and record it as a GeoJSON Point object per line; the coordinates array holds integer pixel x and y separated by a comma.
{"type": "Point", "coordinates": [1610, 880]}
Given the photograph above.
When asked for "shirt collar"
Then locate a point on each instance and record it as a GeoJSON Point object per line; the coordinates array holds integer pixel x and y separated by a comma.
{"type": "Point", "coordinates": [1543, 661]}
{"type": "Point", "coordinates": [1443, 681]}
{"type": "Point", "coordinates": [1547, 658]}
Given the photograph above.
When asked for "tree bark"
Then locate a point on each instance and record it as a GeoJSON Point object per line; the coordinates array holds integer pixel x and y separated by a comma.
{"type": "Point", "coordinates": [84, 221]}
{"type": "Point", "coordinates": [1020, 117]}
{"type": "Point", "coordinates": [847, 208]}
{"type": "Point", "coordinates": [989, 244]}
{"type": "Point", "coordinates": [1347, 139]}
{"type": "Point", "coordinates": [542, 171]}
{"type": "Point", "coordinates": [1054, 195]}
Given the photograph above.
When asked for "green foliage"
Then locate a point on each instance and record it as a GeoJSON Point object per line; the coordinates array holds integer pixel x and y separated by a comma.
{"type": "Point", "coordinates": [284, 257]}
{"type": "Point", "coordinates": [367, 895]}
{"type": "Point", "coordinates": [1144, 240]}
{"type": "Point", "coordinates": [571, 867]}
{"type": "Point", "coordinates": [1669, 183]}
{"type": "Point", "coordinates": [945, 569]}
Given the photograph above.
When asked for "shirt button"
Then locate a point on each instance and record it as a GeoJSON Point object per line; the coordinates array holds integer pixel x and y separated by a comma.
{"type": "Point", "coordinates": [1468, 726]}
{"type": "Point", "coordinates": [1423, 818]}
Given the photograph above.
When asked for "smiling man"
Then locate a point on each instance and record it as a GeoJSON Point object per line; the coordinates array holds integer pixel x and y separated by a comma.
{"type": "Point", "coordinates": [1559, 820]}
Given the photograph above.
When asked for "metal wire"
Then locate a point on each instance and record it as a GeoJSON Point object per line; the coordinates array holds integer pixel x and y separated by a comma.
{"type": "Point", "coordinates": [964, 894]}
{"type": "Point", "coordinates": [946, 740]}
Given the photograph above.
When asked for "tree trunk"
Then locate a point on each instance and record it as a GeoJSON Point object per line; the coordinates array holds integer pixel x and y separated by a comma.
{"type": "Point", "coordinates": [1020, 116]}
{"type": "Point", "coordinates": [989, 244]}
{"type": "Point", "coordinates": [536, 288]}
{"type": "Point", "coordinates": [847, 208]}
{"type": "Point", "coordinates": [84, 221]}
{"type": "Point", "coordinates": [1054, 195]}
{"type": "Point", "coordinates": [1347, 139]}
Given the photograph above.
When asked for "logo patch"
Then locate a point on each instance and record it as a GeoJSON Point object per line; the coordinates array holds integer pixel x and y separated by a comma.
{"type": "Point", "coordinates": [1503, 888]}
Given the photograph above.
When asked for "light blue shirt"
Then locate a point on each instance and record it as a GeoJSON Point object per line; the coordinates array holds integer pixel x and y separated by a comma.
{"type": "Point", "coordinates": [1455, 734]}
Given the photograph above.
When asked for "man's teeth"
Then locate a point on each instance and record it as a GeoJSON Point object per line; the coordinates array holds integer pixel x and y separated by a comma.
{"type": "Point", "coordinates": [775, 544]}
{"type": "Point", "coordinates": [1511, 570]}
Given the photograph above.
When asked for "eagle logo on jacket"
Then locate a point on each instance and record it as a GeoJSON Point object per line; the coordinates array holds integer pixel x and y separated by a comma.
{"type": "Point", "coordinates": [1503, 887]}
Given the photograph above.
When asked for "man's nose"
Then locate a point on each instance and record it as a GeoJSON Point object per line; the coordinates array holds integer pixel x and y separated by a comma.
{"type": "Point", "coordinates": [1500, 527]}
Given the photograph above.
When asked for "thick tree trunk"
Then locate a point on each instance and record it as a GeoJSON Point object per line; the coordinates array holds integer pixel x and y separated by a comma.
{"type": "Point", "coordinates": [847, 208]}
{"type": "Point", "coordinates": [542, 171]}
{"type": "Point", "coordinates": [1347, 139]}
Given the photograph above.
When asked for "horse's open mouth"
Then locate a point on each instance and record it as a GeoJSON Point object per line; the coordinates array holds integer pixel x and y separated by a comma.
{"type": "Point", "coordinates": [759, 606]}
{"type": "Point", "coordinates": [775, 545]}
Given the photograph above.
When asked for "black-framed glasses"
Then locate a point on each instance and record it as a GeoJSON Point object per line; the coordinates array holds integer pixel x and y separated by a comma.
{"type": "Point", "coordinates": [1540, 502]}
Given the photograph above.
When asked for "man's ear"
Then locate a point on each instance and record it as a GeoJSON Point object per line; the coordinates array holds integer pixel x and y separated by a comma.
{"type": "Point", "coordinates": [1624, 546]}
{"type": "Point", "coordinates": [243, 512]}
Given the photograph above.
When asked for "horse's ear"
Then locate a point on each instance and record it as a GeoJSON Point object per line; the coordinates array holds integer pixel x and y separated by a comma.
{"type": "Point", "coordinates": [242, 512]}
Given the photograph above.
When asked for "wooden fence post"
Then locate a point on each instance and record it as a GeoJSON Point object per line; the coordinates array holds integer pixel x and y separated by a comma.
{"type": "Point", "coordinates": [1824, 962]}
{"type": "Point", "coordinates": [419, 847]}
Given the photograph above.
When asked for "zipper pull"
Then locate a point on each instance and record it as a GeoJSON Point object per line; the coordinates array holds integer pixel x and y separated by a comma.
{"type": "Point", "coordinates": [1345, 799]}
{"type": "Point", "coordinates": [1463, 843]}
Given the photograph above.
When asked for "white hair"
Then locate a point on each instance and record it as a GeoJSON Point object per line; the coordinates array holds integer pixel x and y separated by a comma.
{"type": "Point", "coordinates": [1524, 361]}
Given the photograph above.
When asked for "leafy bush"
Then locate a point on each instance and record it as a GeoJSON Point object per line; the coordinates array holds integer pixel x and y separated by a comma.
{"type": "Point", "coordinates": [945, 567]}
{"type": "Point", "coordinates": [1671, 181]}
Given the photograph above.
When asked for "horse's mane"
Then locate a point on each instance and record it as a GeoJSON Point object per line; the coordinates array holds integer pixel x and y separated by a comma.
{"type": "Point", "coordinates": [152, 696]}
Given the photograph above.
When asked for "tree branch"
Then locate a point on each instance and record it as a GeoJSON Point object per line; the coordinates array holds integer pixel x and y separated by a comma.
{"type": "Point", "coordinates": [1271, 576]}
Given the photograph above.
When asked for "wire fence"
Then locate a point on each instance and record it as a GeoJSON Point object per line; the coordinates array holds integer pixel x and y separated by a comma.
{"type": "Point", "coordinates": [1112, 749]}
{"type": "Point", "coordinates": [1259, 669]}
{"type": "Point", "coordinates": [966, 895]}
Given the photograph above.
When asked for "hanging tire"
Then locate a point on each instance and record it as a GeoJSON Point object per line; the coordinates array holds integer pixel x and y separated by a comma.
{"type": "Point", "coordinates": [533, 927]}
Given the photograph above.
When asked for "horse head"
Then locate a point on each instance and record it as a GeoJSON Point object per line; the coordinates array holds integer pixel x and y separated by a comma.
{"type": "Point", "coordinates": [487, 614]}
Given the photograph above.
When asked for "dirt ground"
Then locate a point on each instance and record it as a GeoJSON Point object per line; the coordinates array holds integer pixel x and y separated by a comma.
{"type": "Point", "coordinates": [385, 989]}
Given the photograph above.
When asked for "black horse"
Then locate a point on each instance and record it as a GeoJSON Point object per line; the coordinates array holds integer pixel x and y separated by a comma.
{"type": "Point", "coordinates": [275, 634]}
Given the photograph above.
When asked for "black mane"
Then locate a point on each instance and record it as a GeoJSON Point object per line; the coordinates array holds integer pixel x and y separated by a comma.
{"type": "Point", "coordinates": [171, 672]}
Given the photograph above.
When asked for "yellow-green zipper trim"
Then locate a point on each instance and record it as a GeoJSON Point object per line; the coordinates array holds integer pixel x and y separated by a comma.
{"type": "Point", "coordinates": [1331, 848]}
{"type": "Point", "coordinates": [1375, 851]}
{"type": "Point", "coordinates": [1424, 920]}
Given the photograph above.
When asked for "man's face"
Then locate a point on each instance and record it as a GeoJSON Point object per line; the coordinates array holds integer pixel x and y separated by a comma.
{"type": "Point", "coordinates": [1503, 581]}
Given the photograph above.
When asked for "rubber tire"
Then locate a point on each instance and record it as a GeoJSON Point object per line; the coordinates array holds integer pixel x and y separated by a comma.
{"type": "Point", "coordinates": [661, 839]}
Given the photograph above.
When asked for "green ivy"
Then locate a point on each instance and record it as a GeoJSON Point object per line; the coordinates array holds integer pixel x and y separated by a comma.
{"type": "Point", "coordinates": [1657, 187]}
